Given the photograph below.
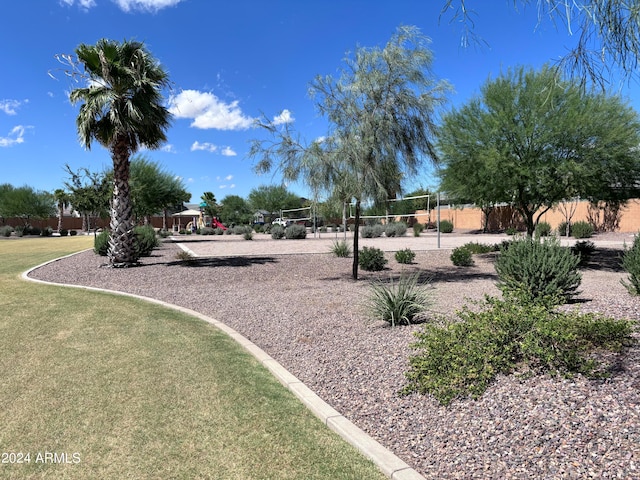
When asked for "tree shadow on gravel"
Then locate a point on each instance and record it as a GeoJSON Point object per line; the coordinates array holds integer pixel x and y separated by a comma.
{"type": "Point", "coordinates": [212, 262]}
{"type": "Point", "coordinates": [605, 259]}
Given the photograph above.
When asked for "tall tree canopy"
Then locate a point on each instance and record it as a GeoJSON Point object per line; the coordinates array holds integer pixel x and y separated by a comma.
{"type": "Point", "coordinates": [273, 198]}
{"type": "Point", "coordinates": [381, 112]}
{"type": "Point", "coordinates": [25, 202]}
{"type": "Point", "coordinates": [122, 109]}
{"type": "Point", "coordinates": [532, 142]}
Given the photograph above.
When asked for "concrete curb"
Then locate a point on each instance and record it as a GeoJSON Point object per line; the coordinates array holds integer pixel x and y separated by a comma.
{"type": "Point", "coordinates": [388, 463]}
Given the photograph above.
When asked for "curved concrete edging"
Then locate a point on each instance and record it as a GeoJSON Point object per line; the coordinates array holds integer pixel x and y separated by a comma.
{"type": "Point", "coordinates": [392, 466]}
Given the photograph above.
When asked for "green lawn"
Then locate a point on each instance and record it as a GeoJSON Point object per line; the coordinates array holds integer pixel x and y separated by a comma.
{"type": "Point", "coordinates": [128, 389]}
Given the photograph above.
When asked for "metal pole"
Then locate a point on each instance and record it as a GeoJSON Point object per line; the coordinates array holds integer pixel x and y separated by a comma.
{"type": "Point", "coordinates": [438, 223]}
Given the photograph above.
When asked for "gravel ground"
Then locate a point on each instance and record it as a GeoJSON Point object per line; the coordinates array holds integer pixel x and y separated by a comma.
{"type": "Point", "coordinates": [306, 312]}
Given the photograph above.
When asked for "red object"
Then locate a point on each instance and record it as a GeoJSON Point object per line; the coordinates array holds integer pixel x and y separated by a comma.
{"type": "Point", "coordinates": [217, 223]}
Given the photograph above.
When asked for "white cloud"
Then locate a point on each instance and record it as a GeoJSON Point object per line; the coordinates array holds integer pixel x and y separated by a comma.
{"type": "Point", "coordinates": [222, 187]}
{"type": "Point", "coordinates": [206, 146]}
{"type": "Point", "coordinates": [16, 135]}
{"type": "Point", "coordinates": [9, 106]}
{"type": "Point", "coordinates": [228, 152]}
{"type": "Point", "coordinates": [85, 4]}
{"type": "Point", "coordinates": [145, 5]}
{"type": "Point", "coordinates": [190, 180]}
{"type": "Point", "coordinates": [169, 148]}
{"type": "Point", "coordinates": [228, 177]}
{"type": "Point", "coordinates": [284, 117]}
{"type": "Point", "coordinates": [208, 111]}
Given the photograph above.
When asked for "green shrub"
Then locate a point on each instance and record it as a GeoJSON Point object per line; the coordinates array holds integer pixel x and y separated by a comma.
{"type": "Point", "coordinates": [101, 243]}
{"type": "Point", "coordinates": [583, 249]}
{"type": "Point", "coordinates": [277, 232]}
{"type": "Point", "coordinates": [240, 229]}
{"type": "Point", "coordinates": [398, 303]}
{"type": "Point", "coordinates": [248, 235]}
{"type": "Point", "coordinates": [511, 231]}
{"type": "Point", "coordinates": [372, 231]}
{"type": "Point", "coordinates": [418, 228]}
{"type": "Point", "coordinates": [146, 240]}
{"type": "Point", "coordinates": [46, 232]}
{"type": "Point", "coordinates": [562, 229]}
{"type": "Point", "coordinates": [218, 231]}
{"type": "Point", "coordinates": [543, 229]}
{"type": "Point", "coordinates": [538, 270]}
{"type": "Point", "coordinates": [164, 233]}
{"type": "Point", "coordinates": [461, 257]}
{"type": "Point", "coordinates": [475, 247]}
{"type": "Point", "coordinates": [5, 231]}
{"type": "Point", "coordinates": [405, 256]}
{"type": "Point", "coordinates": [19, 229]}
{"type": "Point", "coordinates": [631, 265]}
{"type": "Point", "coordinates": [185, 257]}
{"type": "Point", "coordinates": [258, 228]}
{"type": "Point", "coordinates": [446, 226]}
{"type": "Point", "coordinates": [207, 231]}
{"type": "Point", "coordinates": [395, 229]}
{"type": "Point", "coordinates": [341, 249]}
{"type": "Point", "coordinates": [73, 232]}
{"type": "Point", "coordinates": [34, 231]}
{"type": "Point", "coordinates": [371, 259]}
{"type": "Point", "coordinates": [462, 358]}
{"type": "Point", "coordinates": [295, 231]}
{"type": "Point", "coordinates": [582, 230]}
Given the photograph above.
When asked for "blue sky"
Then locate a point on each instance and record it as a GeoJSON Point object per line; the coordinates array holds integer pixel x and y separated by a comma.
{"type": "Point", "coordinates": [229, 62]}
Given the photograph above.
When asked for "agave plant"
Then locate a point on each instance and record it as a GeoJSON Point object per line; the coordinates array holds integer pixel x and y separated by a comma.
{"type": "Point", "coordinates": [401, 302]}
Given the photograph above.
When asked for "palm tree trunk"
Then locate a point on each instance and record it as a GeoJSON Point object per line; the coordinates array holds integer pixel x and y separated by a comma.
{"type": "Point", "coordinates": [60, 213]}
{"type": "Point", "coordinates": [121, 250]}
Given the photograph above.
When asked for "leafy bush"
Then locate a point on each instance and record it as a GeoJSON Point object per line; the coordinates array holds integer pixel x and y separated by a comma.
{"type": "Point", "coordinates": [46, 232]}
{"type": "Point", "coordinates": [538, 271]}
{"type": "Point", "coordinates": [295, 231]}
{"type": "Point", "coordinates": [341, 249]}
{"type": "Point", "coordinates": [395, 229]}
{"type": "Point", "coordinates": [240, 229]}
{"type": "Point", "coordinates": [582, 229]}
{"type": "Point", "coordinates": [207, 231]}
{"type": "Point", "coordinates": [446, 226]}
{"type": "Point", "coordinates": [248, 235]}
{"type": "Point", "coordinates": [461, 257]}
{"type": "Point", "coordinates": [631, 265]}
{"type": "Point", "coordinates": [101, 243]}
{"type": "Point", "coordinates": [73, 232]}
{"type": "Point", "coordinates": [475, 247]}
{"type": "Point", "coordinates": [562, 229]}
{"type": "Point", "coordinates": [34, 231]}
{"type": "Point", "coordinates": [418, 228]}
{"type": "Point", "coordinates": [462, 358]}
{"type": "Point", "coordinates": [583, 249]}
{"type": "Point", "coordinates": [277, 232]}
{"type": "Point", "coordinates": [543, 229]}
{"type": "Point", "coordinates": [371, 259]}
{"type": "Point", "coordinates": [218, 231]}
{"type": "Point", "coordinates": [258, 228]}
{"type": "Point", "coordinates": [164, 233]}
{"type": "Point", "coordinates": [5, 231]}
{"type": "Point", "coordinates": [398, 303]}
{"type": "Point", "coordinates": [19, 230]}
{"type": "Point", "coordinates": [372, 231]}
{"type": "Point", "coordinates": [405, 256]}
{"type": "Point", "coordinates": [146, 240]}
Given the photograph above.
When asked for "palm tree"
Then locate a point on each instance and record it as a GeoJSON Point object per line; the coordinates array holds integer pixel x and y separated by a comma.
{"type": "Point", "coordinates": [62, 199]}
{"type": "Point", "coordinates": [122, 109]}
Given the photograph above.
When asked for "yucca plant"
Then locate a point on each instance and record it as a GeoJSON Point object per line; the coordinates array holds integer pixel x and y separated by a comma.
{"type": "Point", "coordinates": [401, 302]}
{"type": "Point", "coordinates": [341, 249]}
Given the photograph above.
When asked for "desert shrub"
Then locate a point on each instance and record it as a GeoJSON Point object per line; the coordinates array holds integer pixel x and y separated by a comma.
{"type": "Point", "coordinates": [240, 229]}
{"type": "Point", "coordinates": [277, 232]}
{"type": "Point", "coordinates": [46, 232]}
{"type": "Point", "coordinates": [461, 359]}
{"type": "Point", "coordinates": [418, 228]}
{"type": "Point", "coordinates": [295, 231]}
{"type": "Point", "coordinates": [323, 229]}
{"type": "Point", "coordinates": [543, 229]}
{"type": "Point", "coordinates": [19, 229]}
{"type": "Point", "coordinates": [371, 259]}
{"type": "Point", "coordinates": [395, 229]}
{"type": "Point", "coordinates": [184, 256]}
{"type": "Point", "coordinates": [405, 256]}
{"type": "Point", "coordinates": [258, 228]}
{"type": "Point", "coordinates": [101, 243]}
{"type": "Point", "coordinates": [475, 247]}
{"type": "Point", "coordinates": [538, 270]}
{"type": "Point", "coordinates": [164, 233]}
{"type": "Point", "coordinates": [446, 226]}
{"type": "Point", "coordinates": [583, 249]}
{"type": "Point", "coordinates": [34, 230]}
{"type": "Point", "coordinates": [582, 229]}
{"type": "Point", "coordinates": [207, 231]}
{"type": "Point", "coordinates": [401, 302]}
{"type": "Point", "coordinates": [5, 231]}
{"type": "Point", "coordinates": [218, 231]}
{"type": "Point", "coordinates": [248, 235]}
{"type": "Point", "coordinates": [146, 240]}
{"type": "Point", "coordinates": [631, 265]}
{"type": "Point", "coordinates": [341, 249]}
{"type": "Point", "coordinates": [73, 232]}
{"type": "Point", "coordinates": [511, 230]}
{"type": "Point", "coordinates": [372, 231]}
{"type": "Point", "coordinates": [461, 257]}
{"type": "Point", "coordinates": [562, 229]}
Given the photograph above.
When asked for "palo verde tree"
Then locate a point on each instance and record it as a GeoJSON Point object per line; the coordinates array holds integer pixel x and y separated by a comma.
{"type": "Point", "coordinates": [381, 112]}
{"type": "Point", "coordinates": [121, 109]}
{"type": "Point", "coordinates": [25, 203]}
{"type": "Point", "coordinates": [532, 140]}
{"type": "Point", "coordinates": [273, 198]}
{"type": "Point", "coordinates": [89, 194]}
{"type": "Point", "coordinates": [606, 33]}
